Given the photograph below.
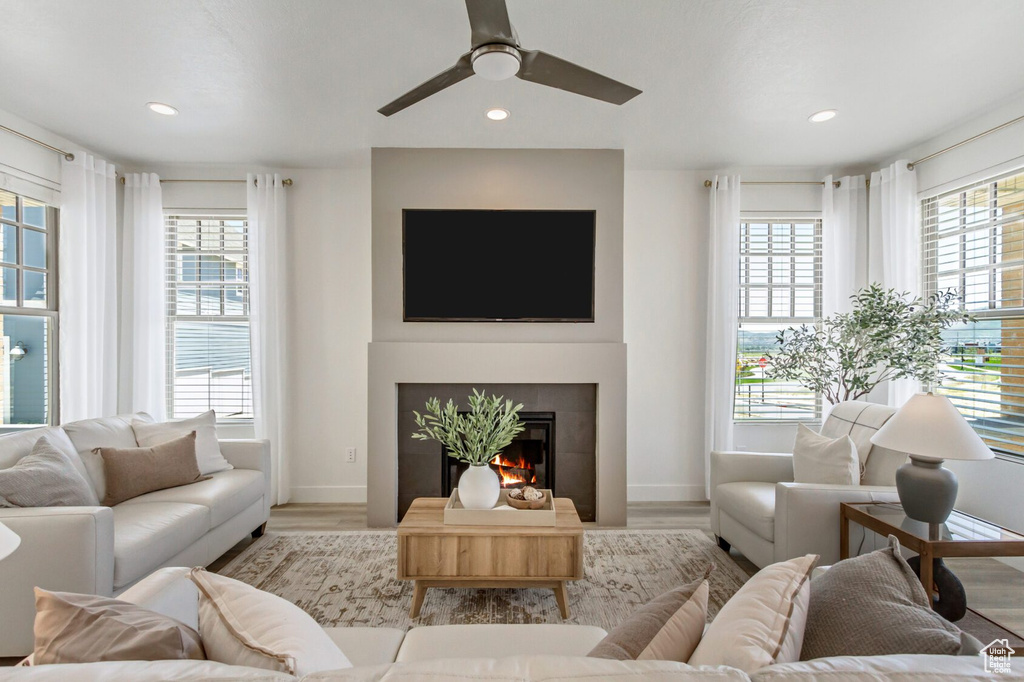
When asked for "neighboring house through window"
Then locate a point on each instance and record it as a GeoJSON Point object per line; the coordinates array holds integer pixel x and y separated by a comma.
{"type": "Point", "coordinates": [208, 316]}
{"type": "Point", "coordinates": [973, 242]}
{"type": "Point", "coordinates": [28, 311]}
{"type": "Point", "coordinates": [780, 287]}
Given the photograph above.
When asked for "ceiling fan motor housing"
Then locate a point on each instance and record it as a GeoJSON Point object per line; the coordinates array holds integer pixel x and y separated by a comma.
{"type": "Point", "coordinates": [496, 61]}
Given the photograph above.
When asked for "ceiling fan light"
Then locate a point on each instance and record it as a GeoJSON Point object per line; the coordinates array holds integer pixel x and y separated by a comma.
{"type": "Point", "coordinates": [496, 62]}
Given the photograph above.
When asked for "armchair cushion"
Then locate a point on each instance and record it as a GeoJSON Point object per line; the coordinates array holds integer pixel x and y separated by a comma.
{"type": "Point", "coordinates": [752, 502]}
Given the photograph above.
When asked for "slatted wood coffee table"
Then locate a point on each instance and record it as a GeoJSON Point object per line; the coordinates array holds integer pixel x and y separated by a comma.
{"type": "Point", "coordinates": [435, 555]}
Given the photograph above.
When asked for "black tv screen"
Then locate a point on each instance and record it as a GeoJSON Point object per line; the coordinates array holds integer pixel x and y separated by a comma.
{"type": "Point", "coordinates": [498, 266]}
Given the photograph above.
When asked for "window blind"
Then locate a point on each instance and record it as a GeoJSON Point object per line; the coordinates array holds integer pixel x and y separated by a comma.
{"type": "Point", "coordinates": [973, 242]}
{"type": "Point", "coordinates": [780, 286]}
{"type": "Point", "coordinates": [207, 271]}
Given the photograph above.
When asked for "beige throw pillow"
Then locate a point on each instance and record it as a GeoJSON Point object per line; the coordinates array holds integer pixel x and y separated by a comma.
{"type": "Point", "coordinates": [820, 459]}
{"type": "Point", "coordinates": [208, 453]}
{"type": "Point", "coordinates": [131, 472]}
{"type": "Point", "coordinates": [46, 477]}
{"type": "Point", "coordinates": [242, 625]}
{"type": "Point", "coordinates": [763, 623]}
{"type": "Point", "coordinates": [666, 629]}
{"type": "Point", "coordinates": [874, 605]}
{"type": "Point", "coordinates": [82, 628]}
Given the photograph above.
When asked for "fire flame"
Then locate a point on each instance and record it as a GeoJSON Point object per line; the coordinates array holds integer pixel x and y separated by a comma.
{"type": "Point", "coordinates": [509, 478]}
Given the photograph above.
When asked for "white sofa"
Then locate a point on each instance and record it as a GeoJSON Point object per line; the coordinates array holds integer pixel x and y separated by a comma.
{"type": "Point", "coordinates": [494, 653]}
{"type": "Point", "coordinates": [104, 550]}
{"type": "Point", "coordinates": [757, 508]}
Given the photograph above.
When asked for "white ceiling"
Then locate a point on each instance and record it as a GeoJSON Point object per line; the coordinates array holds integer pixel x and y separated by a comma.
{"type": "Point", "coordinates": [298, 82]}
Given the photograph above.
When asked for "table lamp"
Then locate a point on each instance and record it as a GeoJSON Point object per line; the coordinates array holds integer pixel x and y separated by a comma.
{"type": "Point", "coordinates": [9, 541]}
{"type": "Point", "coordinates": [930, 429]}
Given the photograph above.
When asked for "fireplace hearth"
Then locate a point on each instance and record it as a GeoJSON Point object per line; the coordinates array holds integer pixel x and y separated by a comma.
{"type": "Point", "coordinates": [528, 460]}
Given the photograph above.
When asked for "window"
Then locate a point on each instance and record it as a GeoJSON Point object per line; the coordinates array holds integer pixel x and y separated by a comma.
{"type": "Point", "coordinates": [973, 242]}
{"type": "Point", "coordinates": [28, 311]}
{"type": "Point", "coordinates": [208, 317]}
{"type": "Point", "coordinates": [780, 287]}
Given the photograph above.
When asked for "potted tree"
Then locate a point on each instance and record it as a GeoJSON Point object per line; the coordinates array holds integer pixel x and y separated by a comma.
{"type": "Point", "coordinates": [886, 336]}
{"type": "Point", "coordinates": [474, 438]}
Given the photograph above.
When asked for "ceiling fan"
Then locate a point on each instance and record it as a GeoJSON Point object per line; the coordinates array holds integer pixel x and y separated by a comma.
{"type": "Point", "coordinates": [495, 55]}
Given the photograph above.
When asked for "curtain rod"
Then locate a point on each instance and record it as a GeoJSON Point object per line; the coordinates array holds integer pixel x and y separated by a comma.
{"type": "Point", "coordinates": [835, 183]}
{"type": "Point", "coordinates": [67, 155]}
{"type": "Point", "coordinates": [910, 166]}
{"type": "Point", "coordinates": [287, 182]}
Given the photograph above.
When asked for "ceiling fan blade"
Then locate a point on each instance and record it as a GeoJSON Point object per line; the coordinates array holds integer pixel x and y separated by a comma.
{"type": "Point", "coordinates": [462, 70]}
{"type": "Point", "coordinates": [547, 69]}
{"type": "Point", "coordinates": [490, 23]}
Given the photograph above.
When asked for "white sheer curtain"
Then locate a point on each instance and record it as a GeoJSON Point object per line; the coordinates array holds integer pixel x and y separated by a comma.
{"type": "Point", "coordinates": [143, 365]}
{"type": "Point", "coordinates": [88, 289]}
{"type": "Point", "coordinates": [722, 317]}
{"type": "Point", "coordinates": [268, 323]}
{"type": "Point", "coordinates": [844, 242]}
{"type": "Point", "coordinates": [894, 245]}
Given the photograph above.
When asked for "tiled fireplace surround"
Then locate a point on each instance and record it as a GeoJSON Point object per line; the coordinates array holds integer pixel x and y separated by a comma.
{"type": "Point", "coordinates": [575, 437]}
{"type": "Point", "coordinates": [578, 379]}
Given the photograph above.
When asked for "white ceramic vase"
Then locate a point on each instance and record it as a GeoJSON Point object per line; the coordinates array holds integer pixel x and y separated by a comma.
{"type": "Point", "coordinates": [479, 487]}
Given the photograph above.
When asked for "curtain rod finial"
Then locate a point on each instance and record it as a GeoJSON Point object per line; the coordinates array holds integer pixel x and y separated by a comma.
{"type": "Point", "coordinates": [69, 156]}
{"type": "Point", "coordinates": [287, 182]}
{"type": "Point", "coordinates": [707, 183]}
{"type": "Point", "coordinates": [910, 166]}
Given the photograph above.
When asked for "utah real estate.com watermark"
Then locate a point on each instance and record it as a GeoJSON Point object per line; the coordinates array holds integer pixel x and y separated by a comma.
{"type": "Point", "coordinates": [998, 656]}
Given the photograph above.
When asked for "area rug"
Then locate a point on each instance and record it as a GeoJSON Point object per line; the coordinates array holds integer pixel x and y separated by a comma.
{"type": "Point", "coordinates": [347, 578]}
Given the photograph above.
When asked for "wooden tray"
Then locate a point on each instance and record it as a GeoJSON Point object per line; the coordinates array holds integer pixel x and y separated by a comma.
{"type": "Point", "coordinates": [502, 514]}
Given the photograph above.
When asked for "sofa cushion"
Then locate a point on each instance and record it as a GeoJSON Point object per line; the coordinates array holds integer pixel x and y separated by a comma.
{"type": "Point", "coordinates": [751, 502]}
{"type": "Point", "coordinates": [453, 641]}
{"type": "Point", "coordinates": [46, 477]}
{"type": "Point", "coordinates": [367, 646]}
{"type": "Point", "coordinates": [530, 669]}
{"type": "Point", "coordinates": [107, 432]}
{"type": "Point", "coordinates": [226, 494]}
{"type": "Point", "coordinates": [902, 668]}
{"type": "Point", "coordinates": [147, 535]}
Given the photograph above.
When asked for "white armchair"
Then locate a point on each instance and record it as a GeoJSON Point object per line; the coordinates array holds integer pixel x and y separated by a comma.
{"type": "Point", "coordinates": [756, 506]}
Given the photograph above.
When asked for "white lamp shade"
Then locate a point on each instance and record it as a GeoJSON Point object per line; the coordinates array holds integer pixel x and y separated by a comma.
{"type": "Point", "coordinates": [9, 541]}
{"type": "Point", "coordinates": [930, 426]}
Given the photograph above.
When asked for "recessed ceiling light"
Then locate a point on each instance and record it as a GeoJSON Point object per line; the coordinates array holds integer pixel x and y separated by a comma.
{"type": "Point", "coordinates": [822, 116]}
{"type": "Point", "coordinates": [161, 108]}
{"type": "Point", "coordinates": [497, 114]}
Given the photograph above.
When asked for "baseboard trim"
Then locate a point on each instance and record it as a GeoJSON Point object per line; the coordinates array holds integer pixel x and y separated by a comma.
{"type": "Point", "coordinates": [328, 493]}
{"type": "Point", "coordinates": [665, 493]}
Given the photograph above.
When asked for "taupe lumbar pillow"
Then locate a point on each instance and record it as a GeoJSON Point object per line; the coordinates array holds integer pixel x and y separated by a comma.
{"type": "Point", "coordinates": [820, 459]}
{"type": "Point", "coordinates": [131, 472]}
{"type": "Point", "coordinates": [874, 605]}
{"type": "Point", "coordinates": [46, 477]}
{"type": "Point", "coordinates": [666, 629]}
{"type": "Point", "coordinates": [82, 628]}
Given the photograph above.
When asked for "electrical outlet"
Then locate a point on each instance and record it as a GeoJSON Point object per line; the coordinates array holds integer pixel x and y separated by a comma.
{"type": "Point", "coordinates": [350, 455]}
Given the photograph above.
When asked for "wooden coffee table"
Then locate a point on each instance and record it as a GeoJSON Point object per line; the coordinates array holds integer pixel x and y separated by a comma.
{"type": "Point", "coordinates": [435, 555]}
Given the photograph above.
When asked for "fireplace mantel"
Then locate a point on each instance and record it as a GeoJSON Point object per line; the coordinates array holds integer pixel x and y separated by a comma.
{"type": "Point", "coordinates": [394, 363]}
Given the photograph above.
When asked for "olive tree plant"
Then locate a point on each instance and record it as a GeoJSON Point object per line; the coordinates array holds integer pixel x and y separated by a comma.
{"type": "Point", "coordinates": [887, 335]}
{"type": "Point", "coordinates": [476, 437]}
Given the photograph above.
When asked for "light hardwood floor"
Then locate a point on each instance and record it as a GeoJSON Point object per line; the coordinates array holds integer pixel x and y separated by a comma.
{"type": "Point", "coordinates": [993, 589]}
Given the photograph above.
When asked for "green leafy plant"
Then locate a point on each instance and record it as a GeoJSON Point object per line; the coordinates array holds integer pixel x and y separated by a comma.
{"type": "Point", "coordinates": [886, 336]}
{"type": "Point", "coordinates": [477, 436]}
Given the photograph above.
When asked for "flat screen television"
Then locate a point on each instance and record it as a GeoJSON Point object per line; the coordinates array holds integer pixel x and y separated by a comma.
{"type": "Point", "coordinates": [498, 266]}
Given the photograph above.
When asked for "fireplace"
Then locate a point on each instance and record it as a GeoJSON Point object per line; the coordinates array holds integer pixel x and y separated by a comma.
{"type": "Point", "coordinates": [528, 460]}
{"type": "Point", "coordinates": [560, 419]}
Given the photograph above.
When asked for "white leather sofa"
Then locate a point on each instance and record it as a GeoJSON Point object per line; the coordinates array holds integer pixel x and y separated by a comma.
{"type": "Point", "coordinates": [494, 653]}
{"type": "Point", "coordinates": [104, 550]}
{"type": "Point", "coordinates": [757, 508]}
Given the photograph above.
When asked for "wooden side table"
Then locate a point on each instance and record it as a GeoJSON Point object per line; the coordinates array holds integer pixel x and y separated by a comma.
{"type": "Point", "coordinates": [435, 555]}
{"type": "Point", "coordinates": [962, 535]}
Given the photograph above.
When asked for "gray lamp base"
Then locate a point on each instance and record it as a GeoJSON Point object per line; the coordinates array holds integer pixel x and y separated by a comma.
{"type": "Point", "coordinates": [927, 490]}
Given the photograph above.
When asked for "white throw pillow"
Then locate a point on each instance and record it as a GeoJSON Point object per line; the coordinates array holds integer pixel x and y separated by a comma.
{"type": "Point", "coordinates": [208, 455]}
{"type": "Point", "coordinates": [820, 459]}
{"type": "Point", "coordinates": [763, 623]}
{"type": "Point", "coordinates": [241, 625]}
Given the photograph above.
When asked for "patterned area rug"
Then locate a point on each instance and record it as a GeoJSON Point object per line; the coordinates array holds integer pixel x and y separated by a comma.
{"type": "Point", "coordinates": [348, 579]}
